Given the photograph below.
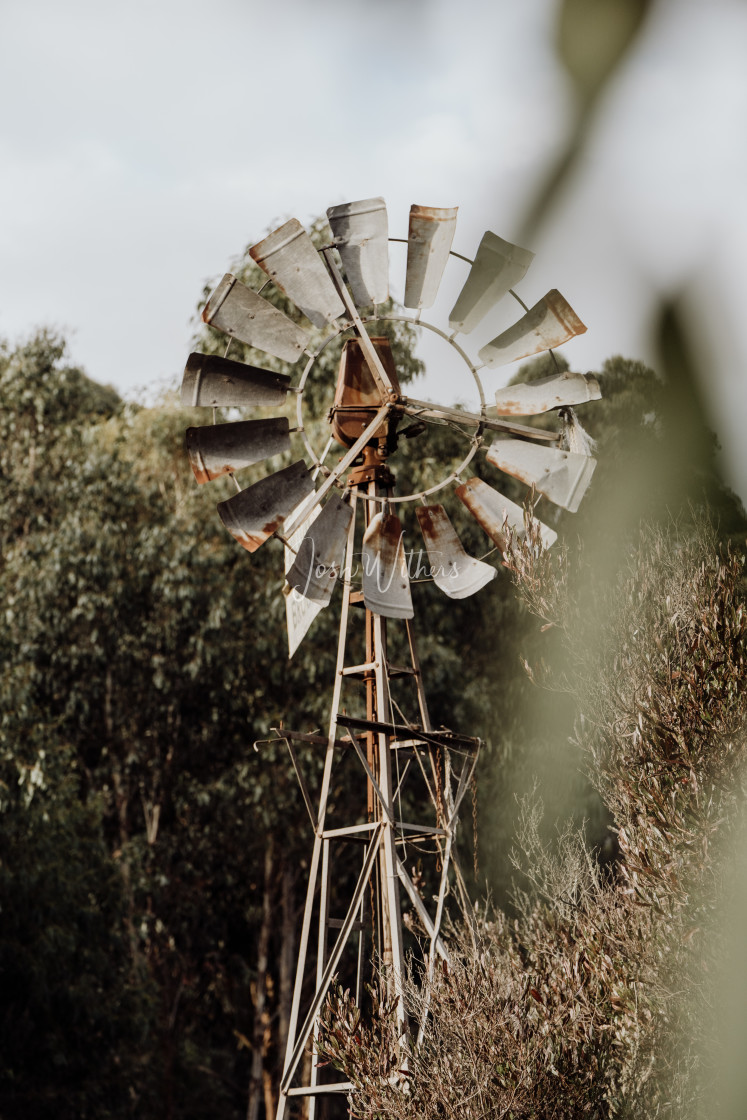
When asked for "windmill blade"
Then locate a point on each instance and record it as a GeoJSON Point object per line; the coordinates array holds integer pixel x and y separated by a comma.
{"type": "Point", "coordinates": [386, 583]}
{"type": "Point", "coordinates": [551, 322]}
{"type": "Point", "coordinates": [223, 383]}
{"type": "Point", "coordinates": [219, 449]}
{"type": "Point", "coordinates": [559, 391]}
{"type": "Point", "coordinates": [299, 612]}
{"type": "Point", "coordinates": [254, 514]}
{"type": "Point", "coordinates": [361, 234]}
{"type": "Point", "coordinates": [562, 476]}
{"type": "Point", "coordinates": [429, 239]}
{"type": "Point", "coordinates": [240, 312]}
{"type": "Point", "coordinates": [495, 514]}
{"type": "Point", "coordinates": [320, 557]}
{"type": "Point", "coordinates": [454, 571]}
{"type": "Point", "coordinates": [497, 267]}
{"type": "Point", "coordinates": [289, 258]}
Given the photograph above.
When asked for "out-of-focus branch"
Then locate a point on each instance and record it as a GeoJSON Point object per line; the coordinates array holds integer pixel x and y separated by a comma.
{"type": "Point", "coordinates": [593, 37]}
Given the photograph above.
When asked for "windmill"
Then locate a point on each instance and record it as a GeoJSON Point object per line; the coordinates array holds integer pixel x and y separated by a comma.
{"type": "Point", "coordinates": [320, 510]}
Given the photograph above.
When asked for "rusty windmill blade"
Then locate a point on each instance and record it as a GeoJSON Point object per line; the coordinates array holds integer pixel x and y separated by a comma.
{"type": "Point", "coordinates": [386, 581]}
{"type": "Point", "coordinates": [361, 235]}
{"type": "Point", "coordinates": [242, 313]}
{"type": "Point", "coordinates": [430, 234]}
{"type": "Point", "coordinates": [562, 476]}
{"type": "Point", "coordinates": [254, 514]}
{"type": "Point", "coordinates": [551, 322]}
{"type": "Point", "coordinates": [319, 559]}
{"type": "Point", "coordinates": [454, 571]}
{"type": "Point", "coordinates": [496, 268]}
{"type": "Point", "coordinates": [223, 383]}
{"type": "Point", "coordinates": [219, 449]}
{"type": "Point", "coordinates": [289, 258]}
{"type": "Point", "coordinates": [495, 514]}
{"type": "Point", "coordinates": [559, 391]}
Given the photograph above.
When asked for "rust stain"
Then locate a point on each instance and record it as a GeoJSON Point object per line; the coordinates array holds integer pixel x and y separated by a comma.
{"type": "Point", "coordinates": [425, 518]}
{"type": "Point", "coordinates": [390, 531]}
{"type": "Point", "coordinates": [204, 473]}
{"type": "Point", "coordinates": [201, 475]}
{"type": "Point", "coordinates": [391, 528]}
{"type": "Point", "coordinates": [513, 408]}
{"type": "Point", "coordinates": [218, 472]}
{"type": "Point", "coordinates": [432, 213]}
{"type": "Point", "coordinates": [250, 541]}
{"type": "Point", "coordinates": [493, 528]}
{"type": "Point", "coordinates": [565, 314]}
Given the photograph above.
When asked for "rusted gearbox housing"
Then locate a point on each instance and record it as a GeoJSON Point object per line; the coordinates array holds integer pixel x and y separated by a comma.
{"type": "Point", "coordinates": [357, 400]}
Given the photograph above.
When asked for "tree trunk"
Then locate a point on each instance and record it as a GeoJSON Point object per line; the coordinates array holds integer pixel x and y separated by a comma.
{"type": "Point", "coordinates": [256, 1086]}
{"type": "Point", "coordinates": [121, 804]}
{"type": "Point", "coordinates": [286, 968]}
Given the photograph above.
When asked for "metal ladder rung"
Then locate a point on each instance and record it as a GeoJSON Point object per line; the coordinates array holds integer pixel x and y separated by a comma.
{"type": "Point", "coordinates": [318, 1090]}
{"type": "Point", "coordinates": [423, 829]}
{"type": "Point", "coordinates": [352, 831]}
{"type": "Point", "coordinates": [361, 671]}
{"type": "Point", "coordinates": [401, 671]}
{"type": "Point", "coordinates": [338, 923]}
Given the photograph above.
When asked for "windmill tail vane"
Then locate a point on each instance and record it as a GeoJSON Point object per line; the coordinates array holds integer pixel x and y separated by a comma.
{"type": "Point", "coordinates": [341, 528]}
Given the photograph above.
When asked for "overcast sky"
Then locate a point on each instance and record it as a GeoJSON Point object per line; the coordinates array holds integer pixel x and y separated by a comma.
{"type": "Point", "coordinates": [143, 145]}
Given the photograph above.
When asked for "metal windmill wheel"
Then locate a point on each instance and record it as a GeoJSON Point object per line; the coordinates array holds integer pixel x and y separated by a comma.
{"type": "Point", "coordinates": [312, 507]}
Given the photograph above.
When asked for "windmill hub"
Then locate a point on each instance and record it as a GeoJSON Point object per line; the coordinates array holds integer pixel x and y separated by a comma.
{"type": "Point", "coordinates": [357, 400]}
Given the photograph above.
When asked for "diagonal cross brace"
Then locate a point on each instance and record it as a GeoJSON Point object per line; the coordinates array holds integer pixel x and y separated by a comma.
{"type": "Point", "coordinates": [334, 960]}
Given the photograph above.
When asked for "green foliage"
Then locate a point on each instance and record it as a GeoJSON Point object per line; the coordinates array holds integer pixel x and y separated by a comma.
{"type": "Point", "coordinates": [75, 1018]}
{"type": "Point", "coordinates": [45, 405]}
{"type": "Point", "coordinates": [130, 639]}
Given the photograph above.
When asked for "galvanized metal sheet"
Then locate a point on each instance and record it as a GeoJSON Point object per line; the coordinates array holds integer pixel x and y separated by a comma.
{"type": "Point", "coordinates": [240, 312]}
{"type": "Point", "coordinates": [254, 514]}
{"type": "Point", "coordinates": [495, 514]}
{"type": "Point", "coordinates": [320, 556]}
{"type": "Point", "coordinates": [497, 267]}
{"type": "Point", "coordinates": [361, 233]}
{"type": "Point", "coordinates": [223, 383]}
{"type": "Point", "coordinates": [429, 239]}
{"type": "Point", "coordinates": [456, 573]}
{"type": "Point", "coordinates": [299, 611]}
{"type": "Point", "coordinates": [386, 581]}
{"type": "Point", "coordinates": [289, 258]}
{"type": "Point", "coordinates": [558, 391]}
{"type": "Point", "coordinates": [562, 476]}
{"type": "Point", "coordinates": [551, 322]}
{"type": "Point", "coordinates": [219, 449]}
